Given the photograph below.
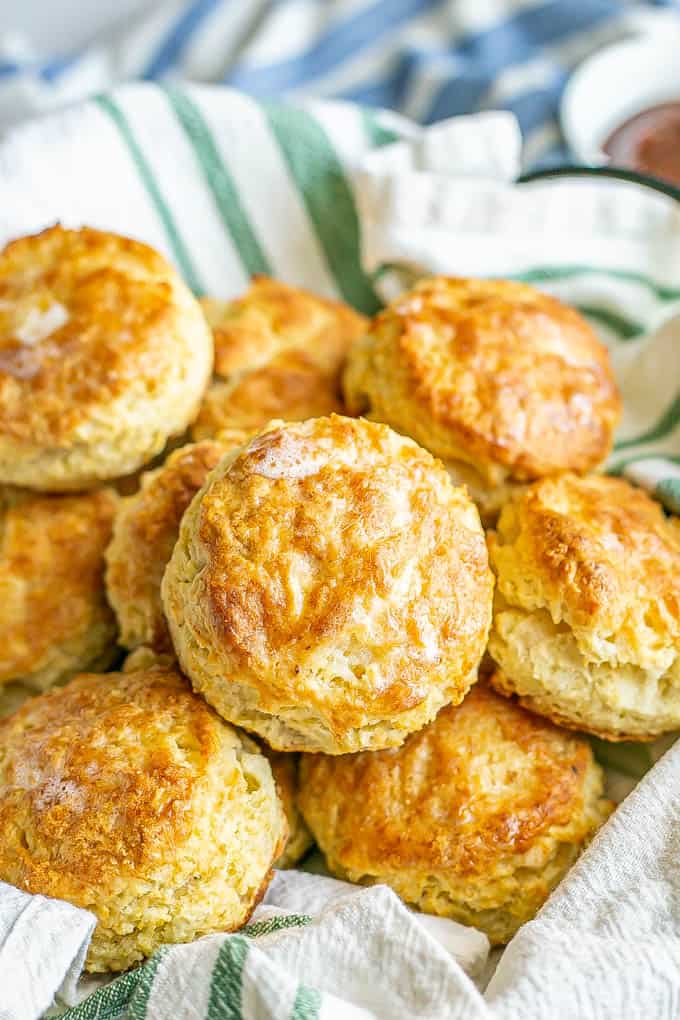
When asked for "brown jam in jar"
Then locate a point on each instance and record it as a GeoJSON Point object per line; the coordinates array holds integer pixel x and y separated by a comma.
{"type": "Point", "coordinates": [649, 142]}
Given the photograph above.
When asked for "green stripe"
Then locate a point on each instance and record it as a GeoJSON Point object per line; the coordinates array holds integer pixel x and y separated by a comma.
{"type": "Point", "coordinates": [625, 328]}
{"type": "Point", "coordinates": [221, 183]}
{"type": "Point", "coordinates": [142, 993]}
{"type": "Point", "coordinates": [107, 1003]}
{"type": "Point", "coordinates": [259, 928]}
{"type": "Point", "coordinates": [317, 172]}
{"type": "Point", "coordinates": [181, 255]}
{"type": "Point", "coordinates": [375, 133]}
{"type": "Point", "coordinates": [668, 492]}
{"type": "Point", "coordinates": [227, 976]}
{"type": "Point", "coordinates": [307, 1003]}
{"type": "Point", "coordinates": [619, 466]}
{"type": "Point", "coordinates": [666, 423]}
{"type": "Point", "coordinates": [545, 274]}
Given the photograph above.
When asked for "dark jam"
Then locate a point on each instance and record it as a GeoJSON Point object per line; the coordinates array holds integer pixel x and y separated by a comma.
{"type": "Point", "coordinates": [649, 142]}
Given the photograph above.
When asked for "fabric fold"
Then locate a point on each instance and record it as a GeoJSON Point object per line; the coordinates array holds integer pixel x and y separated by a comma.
{"type": "Point", "coordinates": [607, 943]}
{"type": "Point", "coordinates": [43, 943]}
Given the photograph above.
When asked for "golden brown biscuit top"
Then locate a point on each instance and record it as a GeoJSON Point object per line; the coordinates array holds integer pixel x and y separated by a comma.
{"type": "Point", "coordinates": [83, 314]}
{"type": "Point", "coordinates": [279, 351]}
{"type": "Point", "coordinates": [484, 780]}
{"type": "Point", "coordinates": [51, 572]}
{"type": "Point", "coordinates": [146, 529]}
{"type": "Point", "coordinates": [98, 779]}
{"type": "Point", "coordinates": [273, 317]}
{"type": "Point", "coordinates": [595, 552]}
{"type": "Point", "coordinates": [332, 541]}
{"type": "Point", "coordinates": [291, 386]}
{"type": "Point", "coordinates": [492, 372]}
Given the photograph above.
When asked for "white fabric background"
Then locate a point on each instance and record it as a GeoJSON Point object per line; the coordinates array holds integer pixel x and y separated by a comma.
{"type": "Point", "coordinates": [61, 24]}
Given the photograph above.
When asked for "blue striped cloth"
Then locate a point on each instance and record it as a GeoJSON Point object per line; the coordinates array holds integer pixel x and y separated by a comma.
{"type": "Point", "coordinates": [428, 59]}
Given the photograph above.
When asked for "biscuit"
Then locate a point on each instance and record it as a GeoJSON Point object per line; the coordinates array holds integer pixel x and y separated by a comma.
{"type": "Point", "coordinates": [285, 771]}
{"type": "Point", "coordinates": [502, 382]}
{"type": "Point", "coordinates": [587, 614]}
{"type": "Point", "coordinates": [54, 620]}
{"type": "Point", "coordinates": [279, 352]}
{"type": "Point", "coordinates": [144, 534]}
{"type": "Point", "coordinates": [476, 817]}
{"type": "Point", "coordinates": [284, 766]}
{"type": "Point", "coordinates": [145, 657]}
{"type": "Point", "coordinates": [125, 794]}
{"type": "Point", "coordinates": [104, 354]}
{"type": "Point", "coordinates": [330, 587]}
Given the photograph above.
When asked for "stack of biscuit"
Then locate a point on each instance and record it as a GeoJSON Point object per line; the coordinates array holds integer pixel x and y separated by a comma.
{"type": "Point", "coordinates": [314, 637]}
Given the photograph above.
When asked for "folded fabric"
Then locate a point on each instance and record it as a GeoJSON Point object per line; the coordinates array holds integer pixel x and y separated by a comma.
{"type": "Point", "coordinates": [607, 944]}
{"type": "Point", "coordinates": [43, 943]}
{"type": "Point", "coordinates": [428, 59]}
{"type": "Point", "coordinates": [302, 893]}
{"type": "Point", "coordinates": [353, 953]}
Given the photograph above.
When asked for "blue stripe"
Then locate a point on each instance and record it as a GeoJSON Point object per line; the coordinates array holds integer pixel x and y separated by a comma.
{"type": "Point", "coordinates": [537, 106]}
{"type": "Point", "coordinates": [515, 40]}
{"type": "Point", "coordinates": [53, 69]}
{"type": "Point", "coordinates": [476, 60]}
{"type": "Point", "coordinates": [10, 67]}
{"type": "Point", "coordinates": [387, 93]}
{"type": "Point", "coordinates": [389, 90]}
{"type": "Point", "coordinates": [554, 155]}
{"type": "Point", "coordinates": [49, 70]}
{"type": "Point", "coordinates": [461, 95]}
{"type": "Point", "coordinates": [343, 40]}
{"type": "Point", "coordinates": [179, 35]}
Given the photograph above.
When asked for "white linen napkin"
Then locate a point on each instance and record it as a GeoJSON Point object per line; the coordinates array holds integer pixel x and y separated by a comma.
{"type": "Point", "coordinates": [607, 943]}
{"type": "Point", "coordinates": [43, 943]}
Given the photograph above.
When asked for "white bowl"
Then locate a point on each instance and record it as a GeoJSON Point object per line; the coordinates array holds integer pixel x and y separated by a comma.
{"type": "Point", "coordinates": [616, 83]}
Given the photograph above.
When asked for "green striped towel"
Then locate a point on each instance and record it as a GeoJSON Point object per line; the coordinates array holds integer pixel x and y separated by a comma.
{"type": "Point", "coordinates": [354, 204]}
{"type": "Point", "coordinates": [301, 966]}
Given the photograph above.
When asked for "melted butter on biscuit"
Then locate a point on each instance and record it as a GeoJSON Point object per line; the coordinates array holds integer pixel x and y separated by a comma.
{"type": "Point", "coordinates": [39, 324]}
{"type": "Point", "coordinates": [287, 457]}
